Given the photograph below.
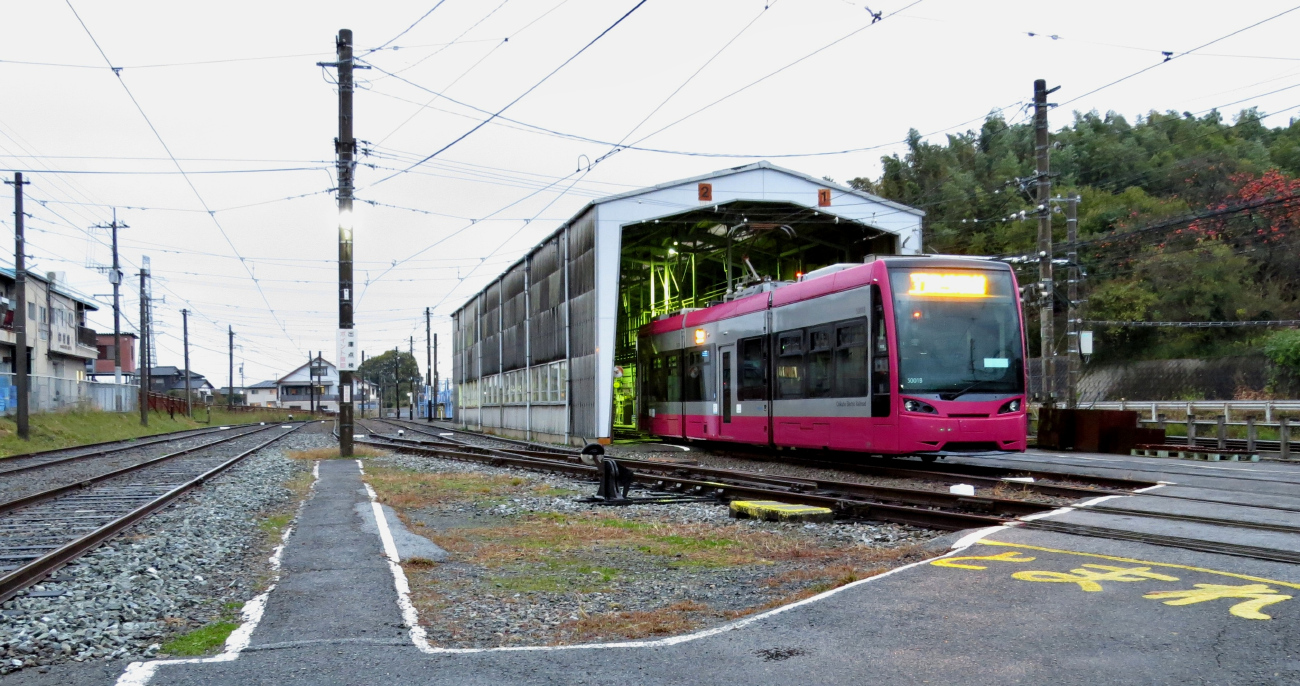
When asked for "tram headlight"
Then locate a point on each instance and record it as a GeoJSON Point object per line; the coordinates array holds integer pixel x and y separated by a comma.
{"type": "Point", "coordinates": [1010, 406]}
{"type": "Point", "coordinates": [918, 406]}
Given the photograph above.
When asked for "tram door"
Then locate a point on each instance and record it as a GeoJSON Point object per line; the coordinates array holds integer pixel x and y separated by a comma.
{"type": "Point", "coordinates": [727, 385]}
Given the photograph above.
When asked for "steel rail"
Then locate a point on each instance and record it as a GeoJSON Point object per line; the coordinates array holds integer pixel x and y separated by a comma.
{"type": "Point", "coordinates": [1234, 549]}
{"type": "Point", "coordinates": [1196, 519]}
{"type": "Point", "coordinates": [97, 453]}
{"type": "Point", "coordinates": [900, 514]}
{"type": "Point", "coordinates": [172, 435]}
{"type": "Point", "coordinates": [1172, 462]}
{"type": "Point", "coordinates": [32, 572]}
{"type": "Point", "coordinates": [83, 483]}
{"type": "Point", "coordinates": [540, 447]}
{"type": "Point", "coordinates": [919, 473]}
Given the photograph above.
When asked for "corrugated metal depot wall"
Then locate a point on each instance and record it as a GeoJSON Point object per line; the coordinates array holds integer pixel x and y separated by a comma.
{"type": "Point", "coordinates": [518, 322]}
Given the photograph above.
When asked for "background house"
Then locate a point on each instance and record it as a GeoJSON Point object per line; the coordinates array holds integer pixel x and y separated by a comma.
{"type": "Point", "coordinates": [58, 341]}
{"type": "Point", "coordinates": [172, 380]}
{"type": "Point", "coordinates": [295, 388]}
{"type": "Point", "coordinates": [103, 370]}
{"type": "Point", "coordinates": [263, 394]}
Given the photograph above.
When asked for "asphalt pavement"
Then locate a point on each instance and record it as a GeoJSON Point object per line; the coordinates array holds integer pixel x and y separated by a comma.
{"type": "Point", "coordinates": [1016, 606]}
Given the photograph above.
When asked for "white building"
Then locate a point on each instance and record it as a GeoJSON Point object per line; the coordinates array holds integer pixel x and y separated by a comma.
{"type": "Point", "coordinates": [263, 394]}
{"type": "Point", "coordinates": [294, 390]}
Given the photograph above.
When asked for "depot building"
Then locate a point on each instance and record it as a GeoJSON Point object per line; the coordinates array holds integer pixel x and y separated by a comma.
{"type": "Point", "coordinates": [547, 350]}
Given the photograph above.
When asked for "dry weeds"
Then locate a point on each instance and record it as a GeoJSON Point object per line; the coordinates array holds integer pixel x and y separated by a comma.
{"type": "Point", "coordinates": [550, 553]}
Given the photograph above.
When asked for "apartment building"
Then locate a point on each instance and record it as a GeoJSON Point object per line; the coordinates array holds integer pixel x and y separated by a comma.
{"type": "Point", "coordinates": [59, 344]}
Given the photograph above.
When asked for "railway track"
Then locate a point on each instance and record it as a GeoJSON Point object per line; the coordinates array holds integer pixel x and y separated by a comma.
{"type": "Point", "coordinates": [1197, 544]}
{"type": "Point", "coordinates": [848, 498]}
{"type": "Point", "coordinates": [17, 464]}
{"type": "Point", "coordinates": [897, 505]}
{"type": "Point", "coordinates": [975, 475]}
{"type": "Point", "coordinates": [44, 531]}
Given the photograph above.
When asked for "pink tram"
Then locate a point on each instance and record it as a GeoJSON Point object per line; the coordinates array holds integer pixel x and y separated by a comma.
{"type": "Point", "coordinates": [900, 355]}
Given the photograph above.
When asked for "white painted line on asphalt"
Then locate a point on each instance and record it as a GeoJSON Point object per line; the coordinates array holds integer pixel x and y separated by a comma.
{"type": "Point", "coordinates": [139, 673]}
{"type": "Point", "coordinates": [410, 617]}
{"type": "Point", "coordinates": [1040, 515]}
{"type": "Point", "coordinates": [1181, 463]}
{"type": "Point", "coordinates": [1162, 484]}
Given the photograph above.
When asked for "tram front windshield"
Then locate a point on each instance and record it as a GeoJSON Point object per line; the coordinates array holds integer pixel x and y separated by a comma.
{"type": "Point", "coordinates": [958, 333]}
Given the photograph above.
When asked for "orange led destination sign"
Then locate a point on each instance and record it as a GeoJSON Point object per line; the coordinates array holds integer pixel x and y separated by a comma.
{"type": "Point", "coordinates": [949, 285]}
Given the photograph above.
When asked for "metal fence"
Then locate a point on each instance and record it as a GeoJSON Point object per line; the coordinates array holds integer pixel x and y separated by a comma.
{"type": "Point", "coordinates": [51, 394]}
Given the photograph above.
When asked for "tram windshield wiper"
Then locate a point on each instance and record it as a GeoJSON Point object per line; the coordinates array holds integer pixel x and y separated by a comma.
{"type": "Point", "coordinates": [953, 395]}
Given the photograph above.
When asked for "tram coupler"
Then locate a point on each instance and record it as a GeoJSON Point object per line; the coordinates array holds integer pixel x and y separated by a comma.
{"type": "Point", "coordinates": [615, 479]}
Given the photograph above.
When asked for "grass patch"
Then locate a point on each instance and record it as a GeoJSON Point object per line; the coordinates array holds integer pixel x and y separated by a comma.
{"type": "Point", "coordinates": [405, 488]}
{"type": "Point", "coordinates": [54, 430]}
{"type": "Point", "coordinates": [554, 491]}
{"type": "Point", "coordinates": [529, 559]}
{"type": "Point", "coordinates": [201, 641]}
{"type": "Point", "coordinates": [334, 454]}
{"type": "Point", "coordinates": [275, 524]}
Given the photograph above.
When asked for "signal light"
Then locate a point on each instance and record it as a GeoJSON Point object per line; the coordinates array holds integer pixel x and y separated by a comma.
{"type": "Point", "coordinates": [699, 337]}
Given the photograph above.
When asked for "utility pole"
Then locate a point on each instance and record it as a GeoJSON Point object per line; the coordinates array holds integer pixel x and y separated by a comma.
{"type": "Point", "coordinates": [364, 386]}
{"type": "Point", "coordinates": [230, 397]}
{"type": "Point", "coordinates": [185, 337]}
{"type": "Point", "coordinates": [115, 278]}
{"type": "Point", "coordinates": [143, 371]}
{"type": "Point", "coordinates": [411, 405]}
{"type": "Point", "coordinates": [320, 376]}
{"type": "Point", "coordinates": [1072, 318]}
{"type": "Point", "coordinates": [20, 305]}
{"type": "Point", "coordinates": [345, 148]}
{"type": "Point", "coordinates": [311, 385]}
{"type": "Point", "coordinates": [1045, 285]}
{"type": "Point", "coordinates": [397, 381]}
{"type": "Point", "coordinates": [435, 369]}
{"type": "Point", "coordinates": [428, 369]}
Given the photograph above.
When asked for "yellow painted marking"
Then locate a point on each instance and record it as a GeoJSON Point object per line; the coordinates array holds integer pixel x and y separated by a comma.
{"type": "Point", "coordinates": [1130, 560]}
{"type": "Point", "coordinates": [1000, 557]}
{"type": "Point", "coordinates": [1087, 578]}
{"type": "Point", "coordinates": [1260, 595]}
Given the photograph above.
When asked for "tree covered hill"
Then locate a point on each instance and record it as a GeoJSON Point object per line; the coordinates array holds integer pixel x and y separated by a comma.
{"type": "Point", "coordinates": [1182, 218]}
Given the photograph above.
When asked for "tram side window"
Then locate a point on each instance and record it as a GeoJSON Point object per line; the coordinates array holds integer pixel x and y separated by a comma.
{"type": "Point", "coordinates": [880, 384]}
{"type": "Point", "coordinates": [851, 360]}
{"type": "Point", "coordinates": [789, 365]}
{"type": "Point", "coordinates": [673, 376]}
{"type": "Point", "coordinates": [819, 360]}
{"type": "Point", "coordinates": [696, 382]}
{"type": "Point", "coordinates": [653, 384]}
{"type": "Point", "coordinates": [753, 369]}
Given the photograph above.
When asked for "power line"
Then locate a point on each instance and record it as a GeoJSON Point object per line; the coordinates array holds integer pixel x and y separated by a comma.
{"type": "Point", "coordinates": [117, 72]}
{"type": "Point", "coordinates": [407, 29]}
{"type": "Point", "coordinates": [519, 97]}
{"type": "Point", "coordinates": [876, 18]}
{"type": "Point", "coordinates": [164, 173]}
{"type": "Point", "coordinates": [1170, 58]}
{"type": "Point", "coordinates": [1195, 325]}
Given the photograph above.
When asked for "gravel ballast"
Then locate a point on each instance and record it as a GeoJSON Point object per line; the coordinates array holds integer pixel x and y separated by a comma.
{"type": "Point", "coordinates": [13, 486]}
{"type": "Point", "coordinates": [610, 590]}
{"type": "Point", "coordinates": [185, 566]}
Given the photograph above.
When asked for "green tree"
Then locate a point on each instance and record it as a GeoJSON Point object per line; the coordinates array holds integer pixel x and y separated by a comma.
{"type": "Point", "coordinates": [390, 369]}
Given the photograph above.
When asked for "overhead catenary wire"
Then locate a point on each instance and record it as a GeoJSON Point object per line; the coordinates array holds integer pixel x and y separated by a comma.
{"type": "Point", "coordinates": [521, 96]}
{"type": "Point", "coordinates": [1178, 55]}
{"type": "Point", "coordinates": [188, 181]}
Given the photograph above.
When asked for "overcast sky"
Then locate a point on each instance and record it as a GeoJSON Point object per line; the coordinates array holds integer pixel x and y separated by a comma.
{"type": "Point", "coordinates": [233, 87]}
